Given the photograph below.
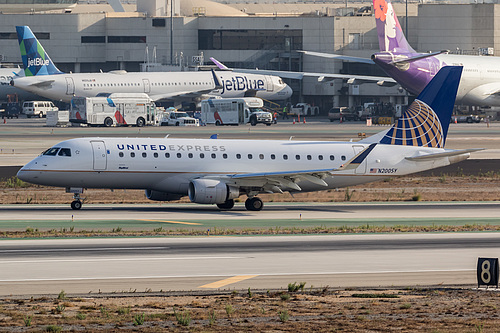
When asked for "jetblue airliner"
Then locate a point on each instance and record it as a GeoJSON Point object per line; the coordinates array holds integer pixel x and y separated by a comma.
{"type": "Point", "coordinates": [213, 171]}
{"type": "Point", "coordinates": [43, 78]}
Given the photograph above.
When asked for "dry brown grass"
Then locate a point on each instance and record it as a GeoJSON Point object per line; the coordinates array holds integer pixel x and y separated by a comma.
{"type": "Point", "coordinates": [426, 310]}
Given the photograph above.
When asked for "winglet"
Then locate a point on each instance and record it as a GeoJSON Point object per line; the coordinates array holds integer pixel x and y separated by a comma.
{"type": "Point", "coordinates": [220, 64]}
{"type": "Point", "coordinates": [217, 83]}
{"type": "Point", "coordinates": [354, 162]}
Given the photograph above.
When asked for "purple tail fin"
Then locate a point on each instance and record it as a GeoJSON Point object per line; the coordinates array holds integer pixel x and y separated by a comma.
{"type": "Point", "coordinates": [390, 34]}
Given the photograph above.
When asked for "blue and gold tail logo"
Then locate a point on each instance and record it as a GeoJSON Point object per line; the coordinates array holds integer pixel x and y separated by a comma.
{"type": "Point", "coordinates": [426, 122]}
{"type": "Point", "coordinates": [419, 126]}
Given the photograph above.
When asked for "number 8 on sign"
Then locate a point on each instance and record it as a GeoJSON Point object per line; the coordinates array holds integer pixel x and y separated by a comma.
{"type": "Point", "coordinates": [487, 272]}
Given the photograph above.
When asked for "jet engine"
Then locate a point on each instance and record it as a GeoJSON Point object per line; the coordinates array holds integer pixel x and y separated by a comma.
{"type": "Point", "coordinates": [211, 191]}
{"type": "Point", "coordinates": [162, 196]}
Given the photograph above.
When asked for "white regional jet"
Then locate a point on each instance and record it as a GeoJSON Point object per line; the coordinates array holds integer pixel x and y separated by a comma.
{"type": "Point", "coordinates": [43, 78]}
{"type": "Point", "coordinates": [213, 171]}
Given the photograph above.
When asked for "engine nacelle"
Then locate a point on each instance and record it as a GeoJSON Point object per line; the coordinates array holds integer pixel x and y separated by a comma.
{"type": "Point", "coordinates": [211, 191]}
{"type": "Point", "coordinates": [162, 196]}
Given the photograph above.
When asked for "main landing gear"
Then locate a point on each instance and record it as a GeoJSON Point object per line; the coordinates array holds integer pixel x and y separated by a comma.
{"type": "Point", "coordinates": [254, 204]}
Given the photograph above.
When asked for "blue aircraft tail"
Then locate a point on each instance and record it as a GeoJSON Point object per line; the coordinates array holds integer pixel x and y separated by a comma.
{"type": "Point", "coordinates": [425, 123]}
{"type": "Point", "coordinates": [35, 60]}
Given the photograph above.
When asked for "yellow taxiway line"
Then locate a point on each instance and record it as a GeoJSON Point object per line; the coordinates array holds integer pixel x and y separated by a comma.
{"type": "Point", "coordinates": [174, 222]}
{"type": "Point", "coordinates": [225, 282]}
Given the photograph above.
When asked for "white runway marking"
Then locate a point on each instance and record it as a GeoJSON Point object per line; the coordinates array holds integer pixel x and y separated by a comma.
{"type": "Point", "coordinates": [40, 261]}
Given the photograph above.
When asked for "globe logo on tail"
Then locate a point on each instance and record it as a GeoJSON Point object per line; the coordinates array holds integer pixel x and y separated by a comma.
{"type": "Point", "coordinates": [419, 126]}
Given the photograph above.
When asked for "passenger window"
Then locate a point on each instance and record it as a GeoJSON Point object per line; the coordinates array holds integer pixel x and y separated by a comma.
{"type": "Point", "coordinates": [297, 157]}
{"type": "Point", "coordinates": [51, 152]}
{"type": "Point", "coordinates": [179, 155]}
{"type": "Point", "coordinates": [132, 154]}
{"type": "Point", "coordinates": [167, 155]}
{"type": "Point", "coordinates": [273, 156]}
{"type": "Point", "coordinates": [285, 157]}
{"type": "Point", "coordinates": [64, 152]}
{"type": "Point", "coordinates": [120, 154]}
{"type": "Point", "coordinates": [309, 157]}
{"type": "Point", "coordinates": [224, 156]}
{"type": "Point", "coordinates": [144, 155]}
{"type": "Point", "coordinates": [202, 155]}
{"type": "Point", "coordinates": [343, 158]}
{"type": "Point", "coordinates": [261, 156]}
{"type": "Point", "coordinates": [250, 156]}
{"type": "Point", "coordinates": [320, 157]}
{"type": "Point", "coordinates": [238, 156]}
{"type": "Point", "coordinates": [155, 155]}
{"type": "Point", "coordinates": [214, 155]}
{"type": "Point", "coordinates": [332, 157]}
{"type": "Point", "coordinates": [190, 155]}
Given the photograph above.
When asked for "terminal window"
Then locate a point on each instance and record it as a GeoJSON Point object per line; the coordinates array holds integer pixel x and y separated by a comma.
{"type": "Point", "coordinates": [13, 35]}
{"type": "Point", "coordinates": [126, 39]}
{"type": "Point", "coordinates": [93, 39]}
{"type": "Point", "coordinates": [249, 39]}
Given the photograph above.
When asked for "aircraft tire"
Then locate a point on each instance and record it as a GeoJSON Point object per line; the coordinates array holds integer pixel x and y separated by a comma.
{"type": "Point", "coordinates": [76, 205]}
{"type": "Point", "coordinates": [108, 122]}
{"type": "Point", "coordinates": [254, 204]}
{"type": "Point", "coordinates": [217, 123]}
{"type": "Point", "coordinates": [140, 122]}
{"type": "Point", "coordinates": [228, 204]}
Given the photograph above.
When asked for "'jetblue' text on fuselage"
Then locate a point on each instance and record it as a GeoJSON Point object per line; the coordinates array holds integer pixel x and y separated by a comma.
{"type": "Point", "coordinates": [241, 83]}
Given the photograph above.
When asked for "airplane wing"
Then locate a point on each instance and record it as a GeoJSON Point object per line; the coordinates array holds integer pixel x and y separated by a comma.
{"type": "Point", "coordinates": [448, 153]}
{"type": "Point", "coordinates": [188, 93]}
{"type": "Point", "coordinates": [322, 77]}
{"type": "Point", "coordinates": [277, 182]}
{"type": "Point", "coordinates": [339, 57]}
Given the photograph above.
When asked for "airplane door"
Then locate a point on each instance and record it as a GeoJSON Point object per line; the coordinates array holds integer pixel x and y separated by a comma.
{"type": "Point", "coordinates": [361, 169]}
{"type": "Point", "coordinates": [269, 83]}
{"type": "Point", "coordinates": [99, 151]}
{"type": "Point", "coordinates": [147, 86]}
{"type": "Point", "coordinates": [70, 86]}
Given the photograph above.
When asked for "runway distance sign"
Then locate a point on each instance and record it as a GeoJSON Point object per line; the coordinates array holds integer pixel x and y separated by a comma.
{"type": "Point", "coordinates": [487, 272]}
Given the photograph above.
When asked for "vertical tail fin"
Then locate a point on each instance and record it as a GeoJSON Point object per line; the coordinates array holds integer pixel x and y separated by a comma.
{"type": "Point", "coordinates": [426, 121]}
{"type": "Point", "coordinates": [35, 60]}
{"type": "Point", "coordinates": [390, 34]}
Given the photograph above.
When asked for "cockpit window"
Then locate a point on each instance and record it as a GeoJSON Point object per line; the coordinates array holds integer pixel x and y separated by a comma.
{"type": "Point", "coordinates": [64, 152]}
{"type": "Point", "coordinates": [51, 152]}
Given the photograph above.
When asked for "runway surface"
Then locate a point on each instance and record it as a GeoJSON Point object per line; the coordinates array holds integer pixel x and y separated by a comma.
{"type": "Point", "coordinates": [209, 263]}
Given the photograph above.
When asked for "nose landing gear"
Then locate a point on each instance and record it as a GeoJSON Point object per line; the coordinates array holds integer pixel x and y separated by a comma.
{"type": "Point", "coordinates": [77, 203]}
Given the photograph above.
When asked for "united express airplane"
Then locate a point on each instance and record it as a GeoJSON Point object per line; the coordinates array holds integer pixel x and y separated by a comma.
{"type": "Point", "coordinates": [43, 78]}
{"type": "Point", "coordinates": [213, 171]}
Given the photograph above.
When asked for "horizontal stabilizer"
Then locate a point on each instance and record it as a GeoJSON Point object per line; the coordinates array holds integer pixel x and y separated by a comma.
{"type": "Point", "coordinates": [427, 157]}
{"type": "Point", "coordinates": [419, 57]}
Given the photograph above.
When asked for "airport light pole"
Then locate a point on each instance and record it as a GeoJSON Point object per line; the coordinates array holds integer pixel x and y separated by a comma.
{"type": "Point", "coordinates": [406, 21]}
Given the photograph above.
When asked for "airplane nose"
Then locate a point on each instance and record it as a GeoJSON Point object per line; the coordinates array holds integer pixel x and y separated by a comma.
{"type": "Point", "coordinates": [288, 91]}
{"type": "Point", "coordinates": [22, 174]}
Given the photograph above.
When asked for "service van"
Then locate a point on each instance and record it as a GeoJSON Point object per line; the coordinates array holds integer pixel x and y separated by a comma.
{"type": "Point", "coordinates": [38, 108]}
{"type": "Point", "coordinates": [234, 111]}
{"type": "Point", "coordinates": [118, 109]}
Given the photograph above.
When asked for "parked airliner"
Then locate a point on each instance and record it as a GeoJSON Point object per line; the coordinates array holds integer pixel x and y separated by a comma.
{"type": "Point", "coordinates": [43, 78]}
{"type": "Point", "coordinates": [213, 171]}
{"type": "Point", "coordinates": [6, 76]}
{"type": "Point", "coordinates": [480, 83]}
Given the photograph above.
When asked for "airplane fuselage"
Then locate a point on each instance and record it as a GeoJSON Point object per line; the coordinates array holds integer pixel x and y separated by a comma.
{"type": "Point", "coordinates": [169, 165]}
{"type": "Point", "coordinates": [479, 85]}
{"type": "Point", "coordinates": [158, 85]}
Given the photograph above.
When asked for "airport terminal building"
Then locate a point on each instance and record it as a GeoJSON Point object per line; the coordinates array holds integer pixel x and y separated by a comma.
{"type": "Point", "coordinates": [92, 37]}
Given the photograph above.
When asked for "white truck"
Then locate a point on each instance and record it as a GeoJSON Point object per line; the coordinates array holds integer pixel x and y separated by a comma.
{"type": "Point", "coordinates": [172, 117]}
{"type": "Point", "coordinates": [113, 110]}
{"type": "Point", "coordinates": [234, 111]}
{"type": "Point", "coordinates": [304, 109]}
